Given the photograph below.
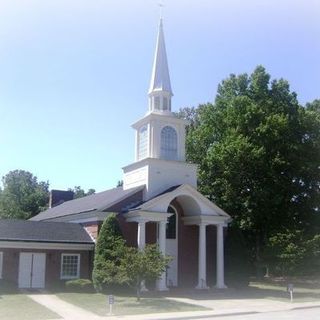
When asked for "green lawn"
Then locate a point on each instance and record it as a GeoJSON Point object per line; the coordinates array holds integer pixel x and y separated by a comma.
{"type": "Point", "coordinates": [97, 303]}
{"type": "Point", "coordinates": [20, 307]}
{"type": "Point", "coordinates": [302, 292]}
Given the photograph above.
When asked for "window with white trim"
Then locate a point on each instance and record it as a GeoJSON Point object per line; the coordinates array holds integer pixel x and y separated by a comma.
{"type": "Point", "coordinates": [156, 103]}
{"type": "Point", "coordinates": [165, 103]}
{"type": "Point", "coordinates": [143, 143]}
{"type": "Point", "coordinates": [1, 263]}
{"type": "Point", "coordinates": [169, 143]}
{"type": "Point", "coordinates": [70, 266]}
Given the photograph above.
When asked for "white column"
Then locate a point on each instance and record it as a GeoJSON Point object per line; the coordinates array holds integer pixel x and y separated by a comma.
{"type": "Point", "coordinates": [141, 234]}
{"type": "Point", "coordinates": [220, 258]}
{"type": "Point", "coordinates": [161, 283]}
{"type": "Point", "coordinates": [202, 262]}
{"type": "Point", "coordinates": [141, 244]}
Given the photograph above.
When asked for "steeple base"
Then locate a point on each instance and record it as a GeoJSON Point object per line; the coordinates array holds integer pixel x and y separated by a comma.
{"type": "Point", "coordinates": [158, 175]}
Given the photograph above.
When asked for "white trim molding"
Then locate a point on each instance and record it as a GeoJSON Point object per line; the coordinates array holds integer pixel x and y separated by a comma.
{"type": "Point", "coordinates": [45, 245]}
{"type": "Point", "coordinates": [204, 219]}
{"type": "Point", "coordinates": [147, 216]}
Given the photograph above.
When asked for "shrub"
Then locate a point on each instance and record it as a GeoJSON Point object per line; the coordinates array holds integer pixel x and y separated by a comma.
{"type": "Point", "coordinates": [108, 252]}
{"type": "Point", "coordinates": [79, 285]}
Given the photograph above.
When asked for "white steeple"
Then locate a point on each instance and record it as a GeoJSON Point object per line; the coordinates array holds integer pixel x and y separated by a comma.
{"type": "Point", "coordinates": [160, 91]}
{"type": "Point", "coordinates": [160, 137]}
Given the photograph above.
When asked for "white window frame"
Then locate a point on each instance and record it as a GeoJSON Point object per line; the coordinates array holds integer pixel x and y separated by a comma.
{"type": "Point", "coordinates": [167, 142]}
{"type": "Point", "coordinates": [143, 139]}
{"type": "Point", "coordinates": [1, 264]}
{"type": "Point", "coordinates": [78, 266]}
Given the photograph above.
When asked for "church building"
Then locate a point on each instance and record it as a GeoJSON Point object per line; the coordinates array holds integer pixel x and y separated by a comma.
{"type": "Point", "coordinates": [158, 203]}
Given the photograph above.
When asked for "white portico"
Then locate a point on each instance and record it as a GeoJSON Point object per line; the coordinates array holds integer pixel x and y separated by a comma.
{"type": "Point", "coordinates": [196, 211]}
{"type": "Point", "coordinates": [170, 199]}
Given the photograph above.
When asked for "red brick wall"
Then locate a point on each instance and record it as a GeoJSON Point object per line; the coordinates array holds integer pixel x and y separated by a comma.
{"type": "Point", "coordinates": [211, 255]}
{"type": "Point", "coordinates": [10, 270]}
{"type": "Point", "coordinates": [187, 251]}
{"type": "Point", "coordinates": [92, 229]}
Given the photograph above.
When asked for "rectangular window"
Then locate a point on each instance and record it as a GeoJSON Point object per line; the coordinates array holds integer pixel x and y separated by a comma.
{"type": "Point", "coordinates": [165, 103]}
{"type": "Point", "coordinates": [70, 266]}
{"type": "Point", "coordinates": [1, 263]}
{"type": "Point", "coordinates": [143, 142]}
{"type": "Point", "coordinates": [156, 103]}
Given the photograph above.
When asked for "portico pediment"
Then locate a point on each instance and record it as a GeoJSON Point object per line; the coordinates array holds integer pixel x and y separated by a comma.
{"type": "Point", "coordinates": [192, 202]}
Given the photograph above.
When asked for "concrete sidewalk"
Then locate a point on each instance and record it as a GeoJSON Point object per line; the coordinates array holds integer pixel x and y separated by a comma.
{"type": "Point", "coordinates": [64, 309]}
{"type": "Point", "coordinates": [223, 307]}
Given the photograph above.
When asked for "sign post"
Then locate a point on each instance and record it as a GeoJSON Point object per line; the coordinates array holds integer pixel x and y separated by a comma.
{"type": "Point", "coordinates": [111, 303]}
{"type": "Point", "coordinates": [290, 290]}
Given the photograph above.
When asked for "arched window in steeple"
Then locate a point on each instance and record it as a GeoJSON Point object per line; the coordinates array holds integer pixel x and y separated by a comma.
{"type": "Point", "coordinates": [169, 143]}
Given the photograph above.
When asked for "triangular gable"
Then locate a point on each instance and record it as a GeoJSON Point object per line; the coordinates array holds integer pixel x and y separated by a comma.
{"type": "Point", "coordinates": [161, 202]}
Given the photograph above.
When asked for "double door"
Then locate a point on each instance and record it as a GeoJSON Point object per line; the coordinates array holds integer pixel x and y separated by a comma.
{"type": "Point", "coordinates": [32, 270]}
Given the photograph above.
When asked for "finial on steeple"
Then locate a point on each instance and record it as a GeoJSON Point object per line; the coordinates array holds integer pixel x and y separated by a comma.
{"type": "Point", "coordinates": [161, 5]}
{"type": "Point", "coordinates": [160, 91]}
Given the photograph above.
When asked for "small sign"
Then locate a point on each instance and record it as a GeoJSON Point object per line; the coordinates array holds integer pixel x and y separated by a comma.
{"type": "Point", "coordinates": [111, 303]}
{"type": "Point", "coordinates": [290, 290]}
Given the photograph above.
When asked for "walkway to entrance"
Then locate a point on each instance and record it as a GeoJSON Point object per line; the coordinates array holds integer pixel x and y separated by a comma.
{"type": "Point", "coordinates": [64, 309]}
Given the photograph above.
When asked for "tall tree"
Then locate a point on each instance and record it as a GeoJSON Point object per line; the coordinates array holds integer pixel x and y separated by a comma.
{"type": "Point", "coordinates": [22, 195]}
{"type": "Point", "coordinates": [258, 152]}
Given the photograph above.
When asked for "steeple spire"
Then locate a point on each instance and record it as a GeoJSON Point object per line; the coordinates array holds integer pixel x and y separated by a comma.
{"type": "Point", "coordinates": [160, 91]}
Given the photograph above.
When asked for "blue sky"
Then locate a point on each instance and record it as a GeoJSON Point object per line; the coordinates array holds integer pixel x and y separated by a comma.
{"type": "Point", "coordinates": [74, 74]}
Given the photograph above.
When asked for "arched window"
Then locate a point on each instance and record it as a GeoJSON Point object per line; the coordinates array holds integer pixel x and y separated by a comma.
{"type": "Point", "coordinates": [169, 143]}
{"type": "Point", "coordinates": [143, 143]}
{"type": "Point", "coordinates": [171, 231]}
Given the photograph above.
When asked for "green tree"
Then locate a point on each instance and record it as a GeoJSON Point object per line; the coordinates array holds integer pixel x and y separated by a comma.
{"type": "Point", "coordinates": [293, 252]}
{"type": "Point", "coordinates": [138, 265]}
{"type": "Point", "coordinates": [108, 252]}
{"type": "Point", "coordinates": [258, 154]}
{"type": "Point", "coordinates": [314, 106]}
{"type": "Point", "coordinates": [22, 195]}
{"type": "Point", "coordinates": [79, 192]}
{"type": "Point", "coordinates": [116, 265]}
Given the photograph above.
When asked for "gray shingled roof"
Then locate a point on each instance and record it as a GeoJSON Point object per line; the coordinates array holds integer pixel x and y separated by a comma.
{"type": "Point", "coordinates": [145, 203]}
{"type": "Point", "coordinates": [36, 231]}
{"type": "Point", "coordinates": [95, 202]}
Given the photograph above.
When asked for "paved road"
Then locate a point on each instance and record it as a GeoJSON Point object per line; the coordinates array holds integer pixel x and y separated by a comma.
{"type": "Point", "coordinates": [295, 314]}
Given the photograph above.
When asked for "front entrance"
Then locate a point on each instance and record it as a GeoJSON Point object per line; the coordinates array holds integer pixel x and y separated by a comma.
{"type": "Point", "coordinates": [32, 267]}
